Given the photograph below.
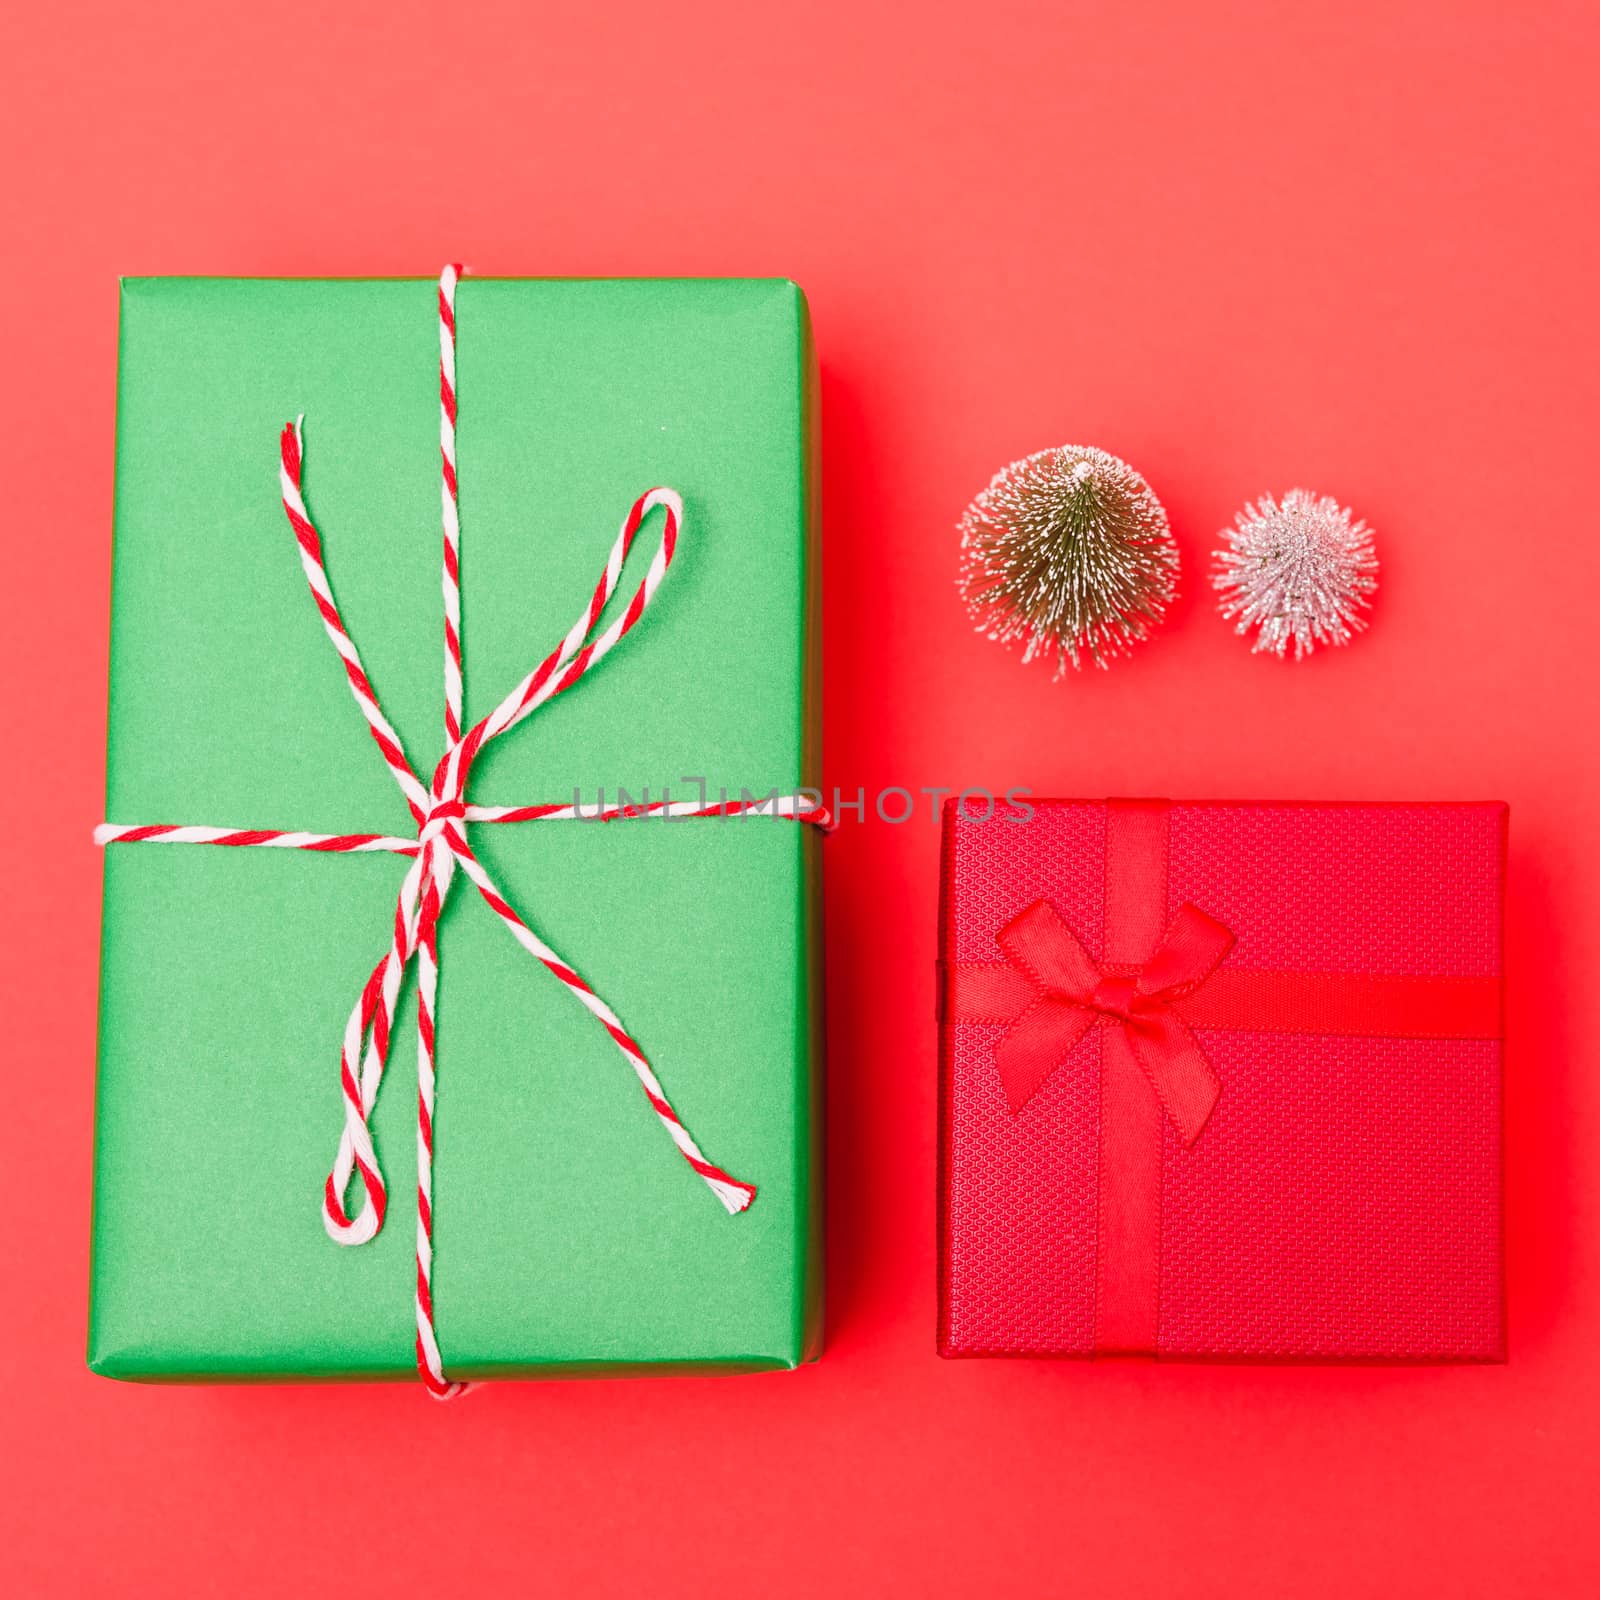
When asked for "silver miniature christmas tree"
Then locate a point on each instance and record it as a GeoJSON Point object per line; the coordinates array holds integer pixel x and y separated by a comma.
{"type": "Point", "coordinates": [1301, 568]}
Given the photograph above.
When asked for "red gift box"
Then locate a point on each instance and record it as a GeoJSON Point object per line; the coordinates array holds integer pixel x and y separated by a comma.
{"type": "Point", "coordinates": [1221, 1081]}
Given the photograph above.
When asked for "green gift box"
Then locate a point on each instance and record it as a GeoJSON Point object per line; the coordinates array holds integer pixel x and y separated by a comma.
{"type": "Point", "coordinates": [568, 1234]}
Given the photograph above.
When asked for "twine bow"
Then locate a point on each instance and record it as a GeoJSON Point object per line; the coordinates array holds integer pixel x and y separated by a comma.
{"type": "Point", "coordinates": [440, 812]}
{"type": "Point", "coordinates": [1073, 993]}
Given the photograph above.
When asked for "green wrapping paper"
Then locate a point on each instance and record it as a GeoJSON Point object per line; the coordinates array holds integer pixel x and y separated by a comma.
{"type": "Point", "coordinates": [569, 1234]}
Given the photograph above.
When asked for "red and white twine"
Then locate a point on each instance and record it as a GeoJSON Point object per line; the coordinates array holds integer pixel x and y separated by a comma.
{"type": "Point", "coordinates": [449, 501]}
{"type": "Point", "coordinates": [441, 812]}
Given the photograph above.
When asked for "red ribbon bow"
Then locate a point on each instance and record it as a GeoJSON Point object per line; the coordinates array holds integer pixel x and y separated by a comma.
{"type": "Point", "coordinates": [1073, 994]}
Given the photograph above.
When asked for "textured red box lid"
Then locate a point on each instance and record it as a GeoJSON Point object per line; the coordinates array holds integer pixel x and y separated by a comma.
{"type": "Point", "coordinates": [1343, 1199]}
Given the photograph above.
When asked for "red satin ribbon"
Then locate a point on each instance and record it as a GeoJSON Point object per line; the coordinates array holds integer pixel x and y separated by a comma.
{"type": "Point", "coordinates": [1072, 994]}
{"type": "Point", "coordinates": [1148, 995]}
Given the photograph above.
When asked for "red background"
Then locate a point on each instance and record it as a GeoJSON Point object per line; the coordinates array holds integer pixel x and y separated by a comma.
{"type": "Point", "coordinates": [1344, 243]}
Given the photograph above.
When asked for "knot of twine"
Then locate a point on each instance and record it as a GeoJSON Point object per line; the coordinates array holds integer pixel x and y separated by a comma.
{"type": "Point", "coordinates": [441, 812]}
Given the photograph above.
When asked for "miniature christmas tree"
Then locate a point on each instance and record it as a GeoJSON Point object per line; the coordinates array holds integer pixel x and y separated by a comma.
{"type": "Point", "coordinates": [1300, 568]}
{"type": "Point", "coordinates": [1069, 553]}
